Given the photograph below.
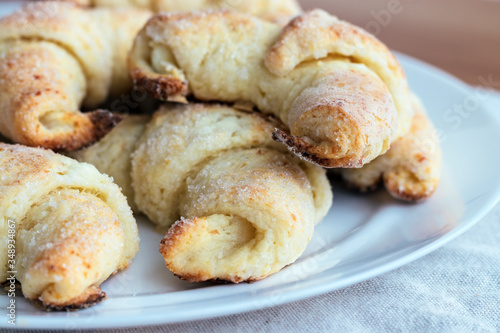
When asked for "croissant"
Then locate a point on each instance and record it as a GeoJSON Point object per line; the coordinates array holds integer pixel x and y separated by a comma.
{"type": "Point", "coordinates": [244, 207]}
{"type": "Point", "coordinates": [71, 227]}
{"type": "Point", "coordinates": [411, 169]}
{"type": "Point", "coordinates": [340, 92]}
{"type": "Point", "coordinates": [273, 10]}
{"type": "Point", "coordinates": [55, 58]}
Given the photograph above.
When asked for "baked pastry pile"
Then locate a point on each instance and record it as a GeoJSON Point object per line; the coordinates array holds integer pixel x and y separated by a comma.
{"type": "Point", "coordinates": [233, 172]}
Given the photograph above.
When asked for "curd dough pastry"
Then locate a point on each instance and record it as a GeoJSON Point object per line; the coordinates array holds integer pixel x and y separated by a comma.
{"type": "Point", "coordinates": [279, 11]}
{"type": "Point", "coordinates": [73, 227]}
{"type": "Point", "coordinates": [411, 169]}
{"type": "Point", "coordinates": [56, 57]}
{"type": "Point", "coordinates": [112, 155]}
{"type": "Point", "coordinates": [241, 206]}
{"type": "Point", "coordinates": [340, 92]}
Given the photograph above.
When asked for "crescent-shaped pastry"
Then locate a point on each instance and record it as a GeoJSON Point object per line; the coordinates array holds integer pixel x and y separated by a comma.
{"type": "Point", "coordinates": [411, 169]}
{"type": "Point", "coordinates": [242, 208]}
{"type": "Point", "coordinates": [71, 227]}
{"type": "Point", "coordinates": [340, 92]}
{"type": "Point", "coordinates": [54, 59]}
{"type": "Point", "coordinates": [279, 11]}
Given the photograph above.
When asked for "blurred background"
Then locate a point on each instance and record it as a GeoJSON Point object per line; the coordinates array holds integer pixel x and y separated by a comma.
{"type": "Point", "coordinates": [460, 36]}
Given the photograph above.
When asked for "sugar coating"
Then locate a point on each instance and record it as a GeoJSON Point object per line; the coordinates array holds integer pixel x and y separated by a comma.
{"type": "Point", "coordinates": [340, 92]}
{"type": "Point", "coordinates": [54, 59]}
{"type": "Point", "coordinates": [239, 207]}
{"type": "Point", "coordinates": [73, 226]}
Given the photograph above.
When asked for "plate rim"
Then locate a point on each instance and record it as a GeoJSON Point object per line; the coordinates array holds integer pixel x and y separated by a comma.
{"type": "Point", "coordinates": [153, 318]}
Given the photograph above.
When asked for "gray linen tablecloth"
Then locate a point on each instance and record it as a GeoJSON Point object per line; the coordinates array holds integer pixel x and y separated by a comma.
{"type": "Point", "coordinates": [454, 289]}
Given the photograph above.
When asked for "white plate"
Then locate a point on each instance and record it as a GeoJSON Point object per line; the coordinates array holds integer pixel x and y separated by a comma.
{"type": "Point", "coordinates": [362, 237]}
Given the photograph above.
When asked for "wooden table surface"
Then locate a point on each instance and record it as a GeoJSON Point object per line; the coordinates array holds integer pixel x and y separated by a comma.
{"type": "Point", "coordinates": [460, 36]}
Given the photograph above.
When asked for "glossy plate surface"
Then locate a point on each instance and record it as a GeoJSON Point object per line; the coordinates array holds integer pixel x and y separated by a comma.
{"type": "Point", "coordinates": [362, 237]}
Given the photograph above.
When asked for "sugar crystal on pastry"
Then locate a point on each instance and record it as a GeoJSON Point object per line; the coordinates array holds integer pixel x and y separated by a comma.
{"type": "Point", "coordinates": [238, 205]}
{"type": "Point", "coordinates": [73, 226]}
{"type": "Point", "coordinates": [57, 58]}
{"type": "Point", "coordinates": [339, 92]}
{"type": "Point", "coordinates": [408, 170]}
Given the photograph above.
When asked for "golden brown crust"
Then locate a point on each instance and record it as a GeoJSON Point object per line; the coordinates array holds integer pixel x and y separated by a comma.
{"type": "Point", "coordinates": [316, 35]}
{"type": "Point", "coordinates": [92, 296]}
{"type": "Point", "coordinates": [101, 122]}
{"type": "Point", "coordinates": [219, 168]}
{"type": "Point", "coordinates": [406, 195]}
{"type": "Point", "coordinates": [417, 170]}
{"type": "Point", "coordinates": [247, 231]}
{"type": "Point", "coordinates": [180, 233]}
{"type": "Point", "coordinates": [339, 107]}
{"type": "Point", "coordinates": [307, 151]}
{"type": "Point", "coordinates": [249, 207]}
{"type": "Point", "coordinates": [160, 87]}
{"type": "Point", "coordinates": [104, 121]}
{"type": "Point", "coordinates": [331, 35]}
{"type": "Point", "coordinates": [55, 58]}
{"type": "Point", "coordinates": [410, 170]}
{"type": "Point", "coordinates": [173, 244]}
{"type": "Point", "coordinates": [73, 226]}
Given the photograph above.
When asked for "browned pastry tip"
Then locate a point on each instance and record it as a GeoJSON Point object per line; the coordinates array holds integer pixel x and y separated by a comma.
{"type": "Point", "coordinates": [416, 170]}
{"type": "Point", "coordinates": [56, 59]}
{"type": "Point", "coordinates": [92, 296]}
{"type": "Point", "coordinates": [308, 151]}
{"type": "Point", "coordinates": [185, 232]}
{"type": "Point", "coordinates": [410, 170]}
{"type": "Point", "coordinates": [92, 127]}
{"type": "Point", "coordinates": [160, 87]}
